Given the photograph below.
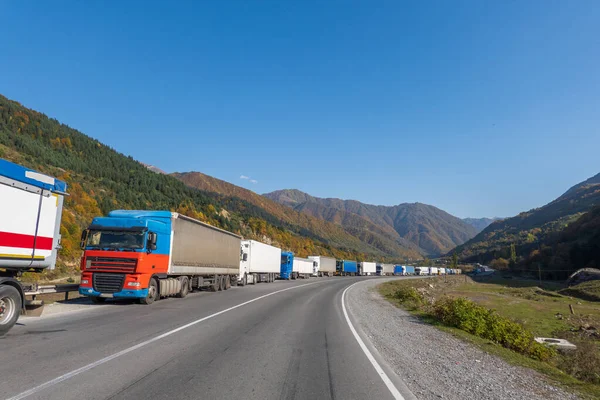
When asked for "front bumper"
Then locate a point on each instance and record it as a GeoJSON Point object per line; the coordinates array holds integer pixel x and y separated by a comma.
{"type": "Point", "coordinates": [123, 294]}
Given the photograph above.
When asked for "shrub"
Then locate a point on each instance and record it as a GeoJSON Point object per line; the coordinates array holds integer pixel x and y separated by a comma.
{"type": "Point", "coordinates": [583, 363]}
{"type": "Point", "coordinates": [409, 295]}
{"type": "Point", "coordinates": [480, 321]}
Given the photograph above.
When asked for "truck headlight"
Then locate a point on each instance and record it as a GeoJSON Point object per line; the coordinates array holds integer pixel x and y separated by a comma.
{"type": "Point", "coordinates": [84, 282]}
{"type": "Point", "coordinates": [133, 284]}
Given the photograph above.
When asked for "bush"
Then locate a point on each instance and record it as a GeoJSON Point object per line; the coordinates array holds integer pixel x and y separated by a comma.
{"type": "Point", "coordinates": [409, 295]}
{"type": "Point", "coordinates": [583, 363]}
{"type": "Point", "coordinates": [480, 321]}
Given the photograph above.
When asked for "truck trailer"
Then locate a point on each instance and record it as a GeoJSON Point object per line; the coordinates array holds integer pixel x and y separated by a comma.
{"type": "Point", "coordinates": [366, 268]}
{"type": "Point", "coordinates": [260, 263]}
{"type": "Point", "coordinates": [325, 266]}
{"type": "Point", "coordinates": [146, 255]}
{"type": "Point", "coordinates": [409, 269]}
{"type": "Point", "coordinates": [387, 269]}
{"type": "Point", "coordinates": [399, 270]}
{"type": "Point", "coordinates": [346, 268]}
{"type": "Point", "coordinates": [302, 268]}
{"type": "Point", "coordinates": [30, 218]}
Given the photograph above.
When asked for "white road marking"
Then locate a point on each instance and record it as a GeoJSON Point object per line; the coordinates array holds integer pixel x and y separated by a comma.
{"type": "Point", "coordinates": [142, 344]}
{"type": "Point", "coordinates": [390, 385]}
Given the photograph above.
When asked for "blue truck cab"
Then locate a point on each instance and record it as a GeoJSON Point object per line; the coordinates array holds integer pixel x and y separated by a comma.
{"type": "Point", "coordinates": [346, 267]}
{"type": "Point", "coordinates": [287, 264]}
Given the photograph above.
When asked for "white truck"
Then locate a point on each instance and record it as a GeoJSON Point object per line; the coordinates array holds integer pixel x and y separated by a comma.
{"type": "Point", "coordinates": [367, 268]}
{"type": "Point", "coordinates": [302, 268]}
{"type": "Point", "coordinates": [260, 263]}
{"type": "Point", "coordinates": [387, 269]}
{"type": "Point", "coordinates": [30, 215]}
{"type": "Point", "coordinates": [324, 266]}
{"type": "Point", "coordinates": [433, 271]}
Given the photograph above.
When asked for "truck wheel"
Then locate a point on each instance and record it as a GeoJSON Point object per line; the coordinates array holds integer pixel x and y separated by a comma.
{"type": "Point", "coordinates": [10, 308]}
{"type": "Point", "coordinates": [185, 287]}
{"type": "Point", "coordinates": [227, 282]}
{"type": "Point", "coordinates": [222, 282]}
{"type": "Point", "coordinates": [245, 280]}
{"type": "Point", "coordinates": [216, 283]}
{"type": "Point", "coordinates": [254, 279]}
{"type": "Point", "coordinates": [98, 300]}
{"type": "Point", "coordinates": [152, 293]}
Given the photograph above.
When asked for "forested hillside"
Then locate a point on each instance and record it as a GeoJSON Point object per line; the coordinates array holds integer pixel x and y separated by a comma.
{"type": "Point", "coordinates": [545, 237]}
{"type": "Point", "coordinates": [101, 179]}
{"type": "Point", "coordinates": [419, 226]}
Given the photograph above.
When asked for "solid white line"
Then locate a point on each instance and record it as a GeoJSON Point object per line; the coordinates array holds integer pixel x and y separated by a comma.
{"type": "Point", "coordinates": [390, 385]}
{"type": "Point", "coordinates": [142, 344]}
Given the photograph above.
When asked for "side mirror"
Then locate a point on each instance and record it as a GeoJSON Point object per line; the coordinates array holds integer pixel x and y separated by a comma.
{"type": "Point", "coordinates": [84, 237]}
{"type": "Point", "coordinates": [152, 238]}
{"type": "Point", "coordinates": [245, 257]}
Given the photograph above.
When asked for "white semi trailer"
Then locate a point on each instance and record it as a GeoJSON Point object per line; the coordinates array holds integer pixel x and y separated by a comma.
{"type": "Point", "coordinates": [30, 215]}
{"type": "Point", "coordinates": [367, 268]}
{"type": "Point", "coordinates": [260, 263]}
{"type": "Point", "coordinates": [324, 266]}
{"type": "Point", "coordinates": [302, 268]}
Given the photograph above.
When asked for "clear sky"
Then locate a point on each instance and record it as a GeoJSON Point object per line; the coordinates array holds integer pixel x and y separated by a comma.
{"type": "Point", "coordinates": [481, 108]}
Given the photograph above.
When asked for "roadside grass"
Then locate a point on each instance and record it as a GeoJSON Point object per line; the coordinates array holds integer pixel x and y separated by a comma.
{"type": "Point", "coordinates": [541, 311]}
{"type": "Point", "coordinates": [586, 290]}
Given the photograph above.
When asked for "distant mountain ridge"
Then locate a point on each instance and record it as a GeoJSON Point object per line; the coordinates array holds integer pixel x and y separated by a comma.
{"type": "Point", "coordinates": [425, 227]}
{"type": "Point", "coordinates": [480, 223]}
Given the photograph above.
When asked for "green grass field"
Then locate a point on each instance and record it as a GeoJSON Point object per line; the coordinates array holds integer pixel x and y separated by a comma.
{"type": "Point", "coordinates": [544, 311]}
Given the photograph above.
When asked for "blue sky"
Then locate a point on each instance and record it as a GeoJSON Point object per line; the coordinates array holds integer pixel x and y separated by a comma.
{"type": "Point", "coordinates": [481, 108]}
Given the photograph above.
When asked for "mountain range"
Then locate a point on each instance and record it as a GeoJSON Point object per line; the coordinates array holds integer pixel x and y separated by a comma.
{"type": "Point", "coordinates": [423, 227]}
{"type": "Point", "coordinates": [101, 179]}
{"type": "Point", "coordinates": [369, 236]}
{"type": "Point", "coordinates": [535, 229]}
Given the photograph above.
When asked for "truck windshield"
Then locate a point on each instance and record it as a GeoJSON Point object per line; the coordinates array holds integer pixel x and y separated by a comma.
{"type": "Point", "coordinates": [116, 240]}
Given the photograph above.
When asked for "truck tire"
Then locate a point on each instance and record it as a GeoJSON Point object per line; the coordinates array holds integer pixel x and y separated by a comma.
{"type": "Point", "coordinates": [254, 279]}
{"type": "Point", "coordinates": [98, 299]}
{"type": "Point", "coordinates": [245, 280]}
{"type": "Point", "coordinates": [10, 308]}
{"type": "Point", "coordinates": [152, 293]}
{"type": "Point", "coordinates": [216, 283]}
{"type": "Point", "coordinates": [227, 282]}
{"type": "Point", "coordinates": [185, 287]}
{"type": "Point", "coordinates": [222, 282]}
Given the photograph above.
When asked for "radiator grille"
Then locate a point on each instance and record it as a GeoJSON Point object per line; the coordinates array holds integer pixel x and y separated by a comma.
{"type": "Point", "coordinates": [108, 283]}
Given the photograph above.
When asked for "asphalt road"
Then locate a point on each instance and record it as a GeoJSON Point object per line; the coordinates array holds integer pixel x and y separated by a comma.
{"type": "Point", "coordinates": [289, 344]}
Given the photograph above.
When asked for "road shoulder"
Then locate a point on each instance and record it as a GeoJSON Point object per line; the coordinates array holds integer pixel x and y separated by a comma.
{"type": "Point", "coordinates": [434, 364]}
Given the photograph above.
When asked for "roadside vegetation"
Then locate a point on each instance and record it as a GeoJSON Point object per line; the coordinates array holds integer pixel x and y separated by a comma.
{"type": "Point", "coordinates": [502, 316]}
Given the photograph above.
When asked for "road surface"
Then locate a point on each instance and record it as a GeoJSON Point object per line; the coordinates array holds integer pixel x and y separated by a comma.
{"type": "Point", "coordinates": [285, 340]}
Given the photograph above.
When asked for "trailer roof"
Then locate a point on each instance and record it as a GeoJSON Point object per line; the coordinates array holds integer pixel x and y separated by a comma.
{"type": "Point", "coordinates": [30, 177]}
{"type": "Point", "coordinates": [163, 214]}
{"type": "Point", "coordinates": [140, 214]}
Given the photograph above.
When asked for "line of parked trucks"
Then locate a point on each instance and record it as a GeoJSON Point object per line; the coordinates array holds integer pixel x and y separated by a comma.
{"type": "Point", "coordinates": [142, 255]}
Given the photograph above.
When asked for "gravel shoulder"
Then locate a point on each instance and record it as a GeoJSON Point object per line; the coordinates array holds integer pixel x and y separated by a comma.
{"type": "Point", "coordinates": [434, 364]}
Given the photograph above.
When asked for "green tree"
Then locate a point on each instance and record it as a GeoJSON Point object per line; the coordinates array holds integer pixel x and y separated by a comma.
{"type": "Point", "coordinates": [513, 255]}
{"type": "Point", "coordinates": [454, 263]}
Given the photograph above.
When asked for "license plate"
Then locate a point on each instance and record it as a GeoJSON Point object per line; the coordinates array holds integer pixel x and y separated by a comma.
{"type": "Point", "coordinates": [108, 296]}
